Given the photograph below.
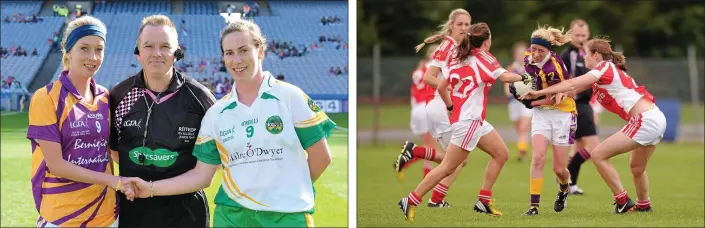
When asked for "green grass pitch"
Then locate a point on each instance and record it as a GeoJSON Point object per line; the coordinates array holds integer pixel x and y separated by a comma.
{"type": "Point", "coordinates": [17, 204]}
{"type": "Point", "coordinates": [676, 190]}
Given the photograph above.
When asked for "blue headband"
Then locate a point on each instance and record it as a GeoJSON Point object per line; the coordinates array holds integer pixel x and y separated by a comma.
{"type": "Point", "coordinates": [80, 32]}
{"type": "Point", "coordinates": [541, 42]}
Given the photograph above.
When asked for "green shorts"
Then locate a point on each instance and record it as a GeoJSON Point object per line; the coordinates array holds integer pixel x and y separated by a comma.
{"type": "Point", "coordinates": [227, 216]}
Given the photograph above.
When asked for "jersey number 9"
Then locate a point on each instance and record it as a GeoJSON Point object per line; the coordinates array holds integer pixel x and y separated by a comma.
{"type": "Point", "coordinates": [250, 131]}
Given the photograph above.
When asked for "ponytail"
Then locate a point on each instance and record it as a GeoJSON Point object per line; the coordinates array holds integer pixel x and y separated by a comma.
{"type": "Point", "coordinates": [429, 40]}
{"type": "Point", "coordinates": [619, 60]}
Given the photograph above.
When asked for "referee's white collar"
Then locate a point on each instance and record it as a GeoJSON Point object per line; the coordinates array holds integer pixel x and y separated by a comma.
{"type": "Point", "coordinates": [267, 82]}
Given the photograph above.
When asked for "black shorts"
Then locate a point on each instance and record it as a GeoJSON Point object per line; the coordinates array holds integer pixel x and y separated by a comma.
{"type": "Point", "coordinates": [189, 210]}
{"type": "Point", "coordinates": [586, 121]}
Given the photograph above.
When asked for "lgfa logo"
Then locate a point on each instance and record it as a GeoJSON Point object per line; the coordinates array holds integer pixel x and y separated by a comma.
{"type": "Point", "coordinates": [275, 125]}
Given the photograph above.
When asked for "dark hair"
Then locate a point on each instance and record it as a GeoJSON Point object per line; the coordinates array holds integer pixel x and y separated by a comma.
{"type": "Point", "coordinates": [478, 33]}
{"type": "Point", "coordinates": [602, 46]}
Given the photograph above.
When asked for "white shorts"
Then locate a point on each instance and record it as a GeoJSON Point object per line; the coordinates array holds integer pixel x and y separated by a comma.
{"type": "Point", "coordinates": [557, 126]}
{"type": "Point", "coordinates": [467, 133]}
{"type": "Point", "coordinates": [419, 120]}
{"type": "Point", "coordinates": [646, 128]}
{"type": "Point", "coordinates": [444, 139]}
{"type": "Point", "coordinates": [517, 110]}
{"type": "Point", "coordinates": [40, 222]}
{"type": "Point", "coordinates": [596, 107]}
{"type": "Point", "coordinates": [437, 117]}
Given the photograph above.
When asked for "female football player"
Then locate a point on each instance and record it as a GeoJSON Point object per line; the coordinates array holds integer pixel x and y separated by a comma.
{"type": "Point", "coordinates": [555, 123]}
{"type": "Point", "coordinates": [471, 73]}
{"type": "Point", "coordinates": [619, 93]}
{"type": "Point", "coordinates": [72, 173]}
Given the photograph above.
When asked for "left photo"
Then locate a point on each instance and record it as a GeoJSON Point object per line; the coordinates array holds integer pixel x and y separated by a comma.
{"type": "Point", "coordinates": [174, 113]}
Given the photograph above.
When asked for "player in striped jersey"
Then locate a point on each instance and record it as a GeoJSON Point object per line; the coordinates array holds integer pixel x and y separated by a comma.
{"type": "Point", "coordinates": [452, 33]}
{"type": "Point", "coordinates": [421, 94]}
{"type": "Point", "coordinates": [520, 115]}
{"type": "Point", "coordinates": [471, 74]}
{"type": "Point", "coordinates": [72, 174]}
{"type": "Point", "coordinates": [553, 122]}
{"type": "Point", "coordinates": [618, 93]}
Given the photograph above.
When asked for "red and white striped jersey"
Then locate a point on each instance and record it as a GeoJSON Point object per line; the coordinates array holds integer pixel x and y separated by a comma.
{"type": "Point", "coordinates": [616, 90]}
{"type": "Point", "coordinates": [470, 81]}
{"type": "Point", "coordinates": [442, 56]}
{"type": "Point", "coordinates": [420, 91]}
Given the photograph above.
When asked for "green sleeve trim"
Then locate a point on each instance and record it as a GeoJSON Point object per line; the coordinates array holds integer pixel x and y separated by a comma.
{"type": "Point", "coordinates": [207, 153]}
{"type": "Point", "coordinates": [310, 135]}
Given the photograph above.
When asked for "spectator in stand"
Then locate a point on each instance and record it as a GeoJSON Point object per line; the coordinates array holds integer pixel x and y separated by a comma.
{"type": "Point", "coordinates": [322, 38]}
{"type": "Point", "coordinates": [338, 72]}
{"type": "Point", "coordinates": [34, 52]}
{"type": "Point", "coordinates": [7, 19]}
{"type": "Point", "coordinates": [246, 10]}
{"type": "Point", "coordinates": [280, 77]}
{"type": "Point", "coordinates": [255, 9]}
{"type": "Point", "coordinates": [3, 53]}
{"type": "Point", "coordinates": [331, 71]}
{"type": "Point", "coordinates": [324, 20]}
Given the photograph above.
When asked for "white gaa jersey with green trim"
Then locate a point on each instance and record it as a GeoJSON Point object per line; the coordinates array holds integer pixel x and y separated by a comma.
{"type": "Point", "coordinates": [262, 147]}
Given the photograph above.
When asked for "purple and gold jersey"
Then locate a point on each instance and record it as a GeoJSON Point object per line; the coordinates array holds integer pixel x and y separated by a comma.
{"type": "Point", "coordinates": [547, 73]}
{"type": "Point", "coordinates": [57, 115]}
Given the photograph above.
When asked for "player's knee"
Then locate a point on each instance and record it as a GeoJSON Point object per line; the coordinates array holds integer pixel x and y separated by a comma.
{"type": "Point", "coordinates": [538, 161]}
{"type": "Point", "coordinates": [558, 170]}
{"type": "Point", "coordinates": [637, 169]}
{"type": "Point", "coordinates": [446, 170]}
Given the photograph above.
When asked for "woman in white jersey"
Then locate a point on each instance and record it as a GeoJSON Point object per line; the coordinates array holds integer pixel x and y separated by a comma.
{"type": "Point", "coordinates": [618, 93]}
{"type": "Point", "coordinates": [421, 94]}
{"type": "Point", "coordinates": [452, 33]}
{"type": "Point", "coordinates": [471, 73]}
{"type": "Point", "coordinates": [269, 137]}
{"type": "Point", "coordinates": [520, 115]}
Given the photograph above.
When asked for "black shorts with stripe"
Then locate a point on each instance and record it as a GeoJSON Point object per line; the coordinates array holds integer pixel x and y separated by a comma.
{"type": "Point", "coordinates": [586, 121]}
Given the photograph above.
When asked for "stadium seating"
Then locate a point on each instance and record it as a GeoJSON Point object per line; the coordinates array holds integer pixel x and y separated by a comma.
{"type": "Point", "coordinates": [29, 36]}
{"type": "Point", "coordinates": [16, 7]}
{"type": "Point", "coordinates": [298, 22]}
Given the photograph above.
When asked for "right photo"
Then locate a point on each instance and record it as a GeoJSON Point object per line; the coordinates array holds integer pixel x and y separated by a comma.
{"type": "Point", "coordinates": [527, 113]}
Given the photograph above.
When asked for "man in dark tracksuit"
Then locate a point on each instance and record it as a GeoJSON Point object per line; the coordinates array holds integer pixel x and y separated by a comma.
{"type": "Point", "coordinates": [156, 116]}
{"type": "Point", "coordinates": [586, 132]}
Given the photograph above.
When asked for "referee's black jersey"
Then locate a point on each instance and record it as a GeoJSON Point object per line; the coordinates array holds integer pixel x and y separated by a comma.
{"type": "Point", "coordinates": [576, 67]}
{"type": "Point", "coordinates": [172, 126]}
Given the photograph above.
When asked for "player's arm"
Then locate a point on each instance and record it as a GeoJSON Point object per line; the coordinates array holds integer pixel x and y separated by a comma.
{"type": "Point", "coordinates": [444, 93]}
{"type": "Point", "coordinates": [573, 84]}
{"type": "Point", "coordinates": [201, 176]}
{"type": "Point", "coordinates": [198, 178]}
{"type": "Point", "coordinates": [431, 76]}
{"type": "Point", "coordinates": [318, 158]}
{"type": "Point", "coordinates": [44, 129]}
{"type": "Point", "coordinates": [62, 168]}
{"type": "Point", "coordinates": [312, 127]}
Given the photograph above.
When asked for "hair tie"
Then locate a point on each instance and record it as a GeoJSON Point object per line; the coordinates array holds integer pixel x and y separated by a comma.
{"type": "Point", "coordinates": [85, 30]}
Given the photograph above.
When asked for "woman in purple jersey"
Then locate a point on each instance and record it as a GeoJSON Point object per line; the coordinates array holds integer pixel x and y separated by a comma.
{"type": "Point", "coordinates": [72, 172]}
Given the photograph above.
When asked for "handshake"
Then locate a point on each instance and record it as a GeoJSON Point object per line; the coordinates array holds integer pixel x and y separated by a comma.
{"type": "Point", "coordinates": [134, 187]}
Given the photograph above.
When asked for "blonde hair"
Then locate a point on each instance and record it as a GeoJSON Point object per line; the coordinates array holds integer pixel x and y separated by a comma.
{"type": "Point", "coordinates": [244, 26]}
{"type": "Point", "coordinates": [553, 35]}
{"type": "Point", "coordinates": [445, 28]}
{"type": "Point", "coordinates": [602, 45]}
{"type": "Point", "coordinates": [157, 20]}
{"type": "Point", "coordinates": [430, 51]}
{"type": "Point", "coordinates": [78, 22]}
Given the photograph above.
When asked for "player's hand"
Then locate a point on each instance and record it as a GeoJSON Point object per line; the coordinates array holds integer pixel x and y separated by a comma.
{"type": "Point", "coordinates": [559, 97]}
{"type": "Point", "coordinates": [530, 95]}
{"type": "Point", "coordinates": [128, 189]}
{"type": "Point", "coordinates": [513, 91]}
{"type": "Point", "coordinates": [144, 188]}
{"type": "Point", "coordinates": [526, 78]}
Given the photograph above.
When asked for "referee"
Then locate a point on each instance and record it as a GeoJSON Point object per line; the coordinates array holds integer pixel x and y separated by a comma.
{"type": "Point", "coordinates": [586, 132]}
{"type": "Point", "coordinates": [156, 116]}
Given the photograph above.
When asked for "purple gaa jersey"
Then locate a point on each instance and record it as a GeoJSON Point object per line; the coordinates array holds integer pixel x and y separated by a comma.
{"type": "Point", "coordinates": [549, 72]}
{"type": "Point", "coordinates": [56, 114]}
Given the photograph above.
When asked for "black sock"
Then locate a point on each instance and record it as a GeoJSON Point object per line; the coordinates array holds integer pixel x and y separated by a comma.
{"type": "Point", "coordinates": [575, 163]}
